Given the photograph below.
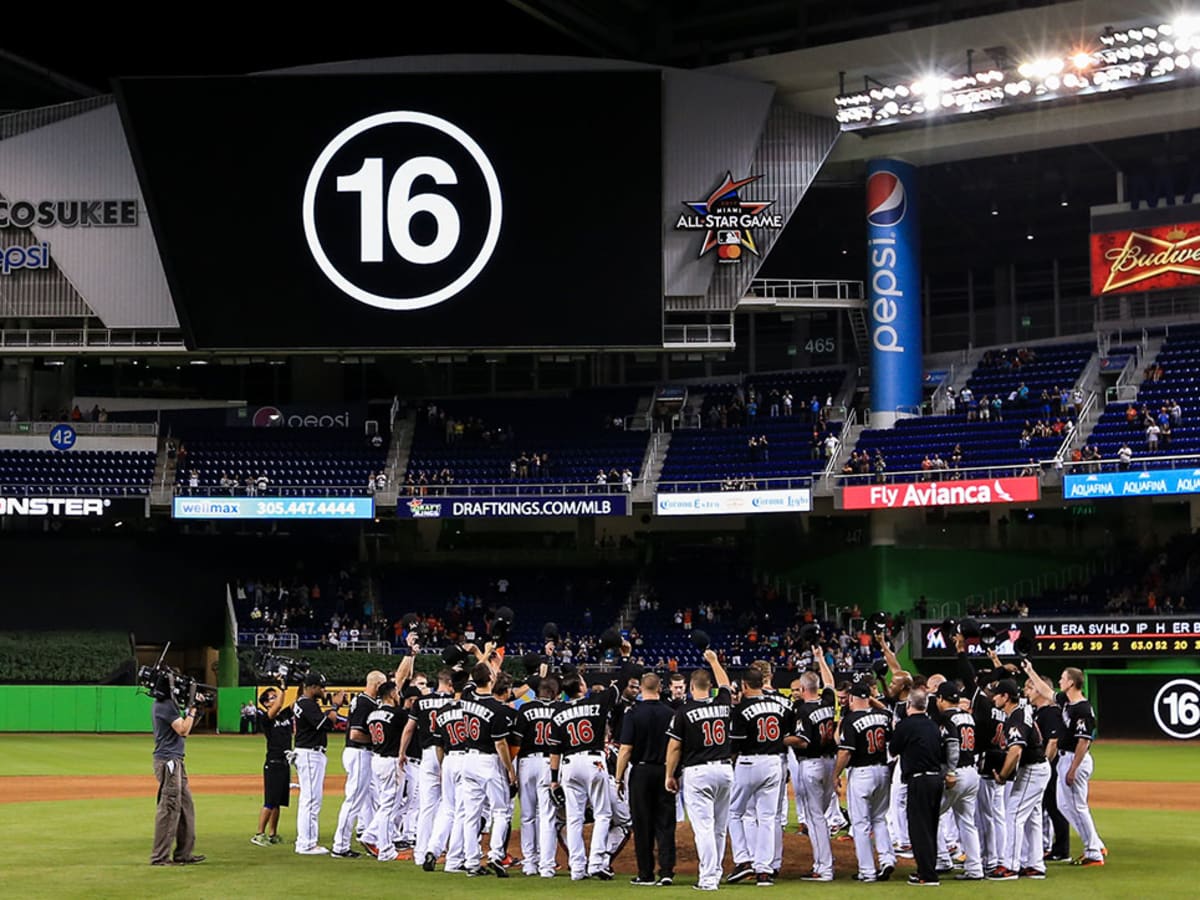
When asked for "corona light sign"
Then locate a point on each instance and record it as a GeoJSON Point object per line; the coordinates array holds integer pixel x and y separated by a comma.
{"type": "Point", "coordinates": [1146, 259]}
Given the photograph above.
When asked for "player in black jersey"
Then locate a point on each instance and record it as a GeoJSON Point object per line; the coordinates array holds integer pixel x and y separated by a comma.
{"type": "Point", "coordinates": [962, 783]}
{"type": "Point", "coordinates": [485, 724]}
{"type": "Point", "coordinates": [701, 743]}
{"type": "Point", "coordinates": [275, 723]}
{"type": "Point", "coordinates": [531, 734]}
{"type": "Point", "coordinates": [578, 772]}
{"type": "Point", "coordinates": [1056, 830]}
{"type": "Point", "coordinates": [862, 748]}
{"type": "Point", "coordinates": [385, 726]}
{"type": "Point", "coordinates": [896, 698]}
{"type": "Point", "coordinates": [760, 724]}
{"type": "Point", "coordinates": [1025, 765]}
{"type": "Point", "coordinates": [816, 730]}
{"type": "Point", "coordinates": [1075, 770]}
{"type": "Point", "coordinates": [312, 736]}
{"type": "Point", "coordinates": [434, 819]}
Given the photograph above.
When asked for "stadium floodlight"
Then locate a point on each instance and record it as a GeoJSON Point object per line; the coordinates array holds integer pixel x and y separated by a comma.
{"type": "Point", "coordinates": [1132, 58]}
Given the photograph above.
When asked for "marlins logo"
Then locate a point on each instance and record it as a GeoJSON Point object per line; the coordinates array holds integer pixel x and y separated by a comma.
{"type": "Point", "coordinates": [886, 200]}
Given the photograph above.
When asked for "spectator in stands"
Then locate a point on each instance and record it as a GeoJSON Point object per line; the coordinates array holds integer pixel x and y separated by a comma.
{"type": "Point", "coordinates": [773, 403]}
{"type": "Point", "coordinates": [764, 449]}
{"type": "Point", "coordinates": [193, 480]}
{"type": "Point", "coordinates": [851, 465]}
{"type": "Point", "coordinates": [926, 468]}
{"type": "Point", "coordinates": [381, 479]}
{"type": "Point", "coordinates": [956, 456]}
{"type": "Point", "coordinates": [1176, 412]}
{"type": "Point", "coordinates": [1023, 393]}
{"type": "Point", "coordinates": [1025, 438]}
{"type": "Point", "coordinates": [751, 410]}
{"type": "Point", "coordinates": [985, 408]}
{"type": "Point", "coordinates": [626, 480]}
{"type": "Point", "coordinates": [880, 466]}
{"type": "Point", "coordinates": [831, 445]}
{"type": "Point", "coordinates": [972, 405]}
{"type": "Point", "coordinates": [601, 478]}
{"type": "Point", "coordinates": [951, 401]}
{"type": "Point", "coordinates": [787, 402]}
{"type": "Point", "coordinates": [1152, 433]}
{"type": "Point", "coordinates": [262, 482]}
{"type": "Point", "coordinates": [1124, 457]}
{"type": "Point", "coordinates": [998, 408]}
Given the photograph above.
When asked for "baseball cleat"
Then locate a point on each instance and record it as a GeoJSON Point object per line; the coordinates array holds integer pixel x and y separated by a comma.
{"type": "Point", "coordinates": [508, 862]}
{"type": "Point", "coordinates": [260, 840]}
{"type": "Point", "coordinates": [666, 881]}
{"type": "Point", "coordinates": [905, 851]}
{"type": "Point", "coordinates": [813, 876]}
{"type": "Point", "coordinates": [429, 863]}
{"type": "Point", "coordinates": [312, 851]}
{"type": "Point", "coordinates": [886, 872]}
{"type": "Point", "coordinates": [858, 876]}
{"type": "Point", "coordinates": [1000, 873]}
{"type": "Point", "coordinates": [478, 872]}
{"type": "Point", "coordinates": [497, 868]}
{"type": "Point", "coordinates": [702, 887]}
{"type": "Point", "coordinates": [605, 874]}
{"type": "Point", "coordinates": [1030, 872]}
{"type": "Point", "coordinates": [764, 879]}
{"type": "Point", "coordinates": [917, 881]}
{"type": "Point", "coordinates": [370, 848]}
{"type": "Point", "coordinates": [1056, 857]}
{"type": "Point", "coordinates": [454, 870]}
{"type": "Point", "coordinates": [349, 854]}
{"type": "Point", "coordinates": [740, 872]}
{"type": "Point", "coordinates": [964, 876]}
{"type": "Point", "coordinates": [642, 882]}
{"type": "Point", "coordinates": [1104, 851]}
{"type": "Point", "coordinates": [1084, 861]}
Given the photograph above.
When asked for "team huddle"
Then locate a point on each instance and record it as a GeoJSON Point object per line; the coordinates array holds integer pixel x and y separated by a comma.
{"type": "Point", "coordinates": [972, 777]}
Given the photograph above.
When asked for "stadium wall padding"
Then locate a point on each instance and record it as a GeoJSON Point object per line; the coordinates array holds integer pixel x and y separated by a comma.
{"type": "Point", "coordinates": [229, 707]}
{"type": "Point", "coordinates": [74, 708]}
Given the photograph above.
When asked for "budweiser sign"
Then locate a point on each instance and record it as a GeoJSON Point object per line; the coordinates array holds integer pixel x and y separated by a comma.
{"type": "Point", "coordinates": [979, 492]}
{"type": "Point", "coordinates": [1146, 259]}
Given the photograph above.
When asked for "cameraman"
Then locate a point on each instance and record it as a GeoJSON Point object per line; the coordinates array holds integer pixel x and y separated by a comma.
{"type": "Point", "coordinates": [312, 736]}
{"type": "Point", "coordinates": [274, 721]}
{"type": "Point", "coordinates": [175, 818]}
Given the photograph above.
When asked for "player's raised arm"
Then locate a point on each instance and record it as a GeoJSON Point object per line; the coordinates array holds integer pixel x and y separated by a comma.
{"type": "Point", "coordinates": [720, 676]}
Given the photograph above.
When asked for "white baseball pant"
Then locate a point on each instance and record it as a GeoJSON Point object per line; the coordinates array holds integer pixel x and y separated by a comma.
{"type": "Point", "coordinates": [410, 803]}
{"type": "Point", "coordinates": [500, 810]}
{"type": "Point", "coordinates": [867, 795]}
{"type": "Point", "coordinates": [356, 805]}
{"type": "Point", "coordinates": [382, 829]}
{"type": "Point", "coordinates": [310, 772]}
{"type": "Point", "coordinates": [1024, 838]}
{"type": "Point", "coordinates": [989, 814]}
{"type": "Point", "coordinates": [429, 800]}
{"type": "Point", "coordinates": [1073, 803]}
{"type": "Point", "coordinates": [754, 810]}
{"type": "Point", "coordinates": [814, 790]}
{"type": "Point", "coordinates": [708, 790]}
{"type": "Point", "coordinates": [539, 820]}
{"type": "Point", "coordinates": [475, 789]}
{"type": "Point", "coordinates": [621, 825]}
{"type": "Point", "coordinates": [959, 803]}
{"type": "Point", "coordinates": [898, 809]}
{"type": "Point", "coordinates": [793, 766]}
{"type": "Point", "coordinates": [584, 780]}
{"type": "Point", "coordinates": [451, 808]}
{"type": "Point", "coordinates": [781, 814]}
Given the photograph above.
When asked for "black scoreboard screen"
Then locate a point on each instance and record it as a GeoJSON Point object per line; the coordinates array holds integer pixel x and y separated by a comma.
{"type": "Point", "coordinates": [1075, 636]}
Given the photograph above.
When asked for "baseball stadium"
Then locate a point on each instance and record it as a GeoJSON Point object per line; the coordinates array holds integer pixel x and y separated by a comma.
{"type": "Point", "coordinates": [658, 443]}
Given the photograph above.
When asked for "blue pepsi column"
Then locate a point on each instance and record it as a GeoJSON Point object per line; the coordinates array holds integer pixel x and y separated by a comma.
{"type": "Point", "coordinates": [893, 290]}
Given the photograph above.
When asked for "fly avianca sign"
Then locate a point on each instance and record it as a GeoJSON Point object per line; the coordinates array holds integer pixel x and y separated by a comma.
{"type": "Point", "coordinates": [980, 492]}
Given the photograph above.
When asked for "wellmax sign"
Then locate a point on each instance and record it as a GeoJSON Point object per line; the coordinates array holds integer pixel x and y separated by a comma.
{"type": "Point", "coordinates": [1162, 483]}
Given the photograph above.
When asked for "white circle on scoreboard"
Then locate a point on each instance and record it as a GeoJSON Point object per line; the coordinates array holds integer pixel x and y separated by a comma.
{"type": "Point", "coordinates": [1181, 697]}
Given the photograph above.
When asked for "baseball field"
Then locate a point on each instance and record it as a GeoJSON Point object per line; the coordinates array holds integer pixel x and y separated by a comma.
{"type": "Point", "coordinates": [77, 814]}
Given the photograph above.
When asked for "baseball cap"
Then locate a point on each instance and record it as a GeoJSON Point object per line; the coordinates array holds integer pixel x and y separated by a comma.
{"type": "Point", "coordinates": [312, 679]}
{"type": "Point", "coordinates": [948, 691]}
{"type": "Point", "coordinates": [861, 689]}
{"type": "Point", "coordinates": [1006, 686]}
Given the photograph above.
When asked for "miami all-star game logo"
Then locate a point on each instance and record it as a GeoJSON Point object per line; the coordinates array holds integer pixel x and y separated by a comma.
{"type": "Point", "coordinates": [729, 220]}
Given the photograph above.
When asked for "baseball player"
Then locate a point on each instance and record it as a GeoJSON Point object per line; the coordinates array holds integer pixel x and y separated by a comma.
{"type": "Point", "coordinates": [275, 723]}
{"type": "Point", "coordinates": [359, 804]}
{"type": "Point", "coordinates": [814, 787]}
{"type": "Point", "coordinates": [451, 735]}
{"type": "Point", "coordinates": [1056, 831]}
{"type": "Point", "coordinates": [962, 784]}
{"type": "Point", "coordinates": [312, 736]}
{"type": "Point", "coordinates": [699, 741]}
{"type": "Point", "coordinates": [433, 817]}
{"type": "Point", "coordinates": [410, 747]}
{"type": "Point", "coordinates": [501, 791]}
{"type": "Point", "coordinates": [761, 723]}
{"type": "Point", "coordinates": [862, 748]}
{"type": "Point", "coordinates": [385, 725]}
{"type": "Point", "coordinates": [1025, 765]}
{"type": "Point", "coordinates": [620, 828]}
{"type": "Point", "coordinates": [897, 699]}
{"type": "Point", "coordinates": [485, 724]}
{"type": "Point", "coordinates": [579, 776]}
{"type": "Point", "coordinates": [676, 697]}
{"type": "Point", "coordinates": [531, 732]}
{"type": "Point", "coordinates": [1075, 766]}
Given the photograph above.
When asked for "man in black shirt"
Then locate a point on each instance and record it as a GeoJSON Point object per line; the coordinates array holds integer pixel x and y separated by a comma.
{"type": "Point", "coordinates": [917, 742]}
{"type": "Point", "coordinates": [862, 748]}
{"type": "Point", "coordinates": [175, 816]}
{"type": "Point", "coordinates": [700, 742]}
{"type": "Point", "coordinates": [962, 783]}
{"type": "Point", "coordinates": [644, 754]}
{"type": "Point", "coordinates": [274, 723]}
{"type": "Point", "coordinates": [761, 723]}
{"type": "Point", "coordinates": [1025, 765]}
{"type": "Point", "coordinates": [539, 821]}
{"type": "Point", "coordinates": [577, 736]}
{"type": "Point", "coordinates": [312, 737]}
{"type": "Point", "coordinates": [385, 725]}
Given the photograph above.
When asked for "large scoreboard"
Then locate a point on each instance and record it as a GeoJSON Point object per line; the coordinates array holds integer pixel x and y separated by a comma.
{"type": "Point", "coordinates": [1073, 636]}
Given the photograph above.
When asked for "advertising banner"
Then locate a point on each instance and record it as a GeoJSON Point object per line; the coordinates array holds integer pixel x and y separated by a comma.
{"type": "Point", "coordinates": [743, 503]}
{"type": "Point", "coordinates": [399, 210]}
{"type": "Point", "coordinates": [1165, 257]}
{"type": "Point", "coordinates": [1076, 636]}
{"type": "Point", "coordinates": [273, 508]}
{"type": "Point", "coordinates": [975, 492]}
{"type": "Point", "coordinates": [893, 288]}
{"type": "Point", "coordinates": [344, 416]}
{"type": "Point", "coordinates": [72, 507]}
{"type": "Point", "coordinates": [1131, 484]}
{"type": "Point", "coordinates": [513, 507]}
{"type": "Point", "coordinates": [1146, 707]}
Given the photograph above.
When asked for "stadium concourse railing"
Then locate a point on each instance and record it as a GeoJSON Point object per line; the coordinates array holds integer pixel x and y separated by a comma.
{"type": "Point", "coordinates": [106, 429]}
{"type": "Point", "coordinates": [735, 483]}
{"type": "Point", "coordinates": [1137, 464]}
{"type": "Point", "coordinates": [514, 489]}
{"type": "Point", "coordinates": [290, 640]}
{"type": "Point", "coordinates": [961, 473]}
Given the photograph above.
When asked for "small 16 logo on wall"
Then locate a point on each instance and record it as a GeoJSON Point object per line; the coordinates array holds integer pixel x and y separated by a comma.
{"type": "Point", "coordinates": [728, 220]}
{"type": "Point", "coordinates": [402, 210]}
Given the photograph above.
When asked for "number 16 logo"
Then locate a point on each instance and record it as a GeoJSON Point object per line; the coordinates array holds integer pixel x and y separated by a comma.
{"type": "Point", "coordinates": [435, 252]}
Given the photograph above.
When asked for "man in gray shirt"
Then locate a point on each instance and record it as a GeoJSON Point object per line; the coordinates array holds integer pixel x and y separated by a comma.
{"type": "Point", "coordinates": [175, 819]}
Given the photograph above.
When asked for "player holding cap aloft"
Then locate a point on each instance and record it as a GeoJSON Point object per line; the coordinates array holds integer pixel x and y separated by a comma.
{"type": "Point", "coordinates": [862, 748]}
{"type": "Point", "coordinates": [816, 744]}
{"type": "Point", "coordinates": [386, 725]}
{"type": "Point", "coordinates": [962, 783]}
{"type": "Point", "coordinates": [1025, 765]}
{"type": "Point", "coordinates": [700, 743]}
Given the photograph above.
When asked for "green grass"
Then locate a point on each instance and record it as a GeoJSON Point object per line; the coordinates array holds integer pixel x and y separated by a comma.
{"type": "Point", "coordinates": [100, 848]}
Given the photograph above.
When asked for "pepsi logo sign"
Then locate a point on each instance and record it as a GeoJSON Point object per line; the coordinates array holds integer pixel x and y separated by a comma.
{"type": "Point", "coordinates": [274, 417]}
{"type": "Point", "coordinates": [886, 200]}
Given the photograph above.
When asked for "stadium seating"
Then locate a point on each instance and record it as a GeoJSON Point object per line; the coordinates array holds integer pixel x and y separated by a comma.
{"type": "Point", "coordinates": [335, 463]}
{"type": "Point", "coordinates": [1180, 360]}
{"type": "Point", "coordinates": [1054, 366]}
{"type": "Point", "coordinates": [576, 432]}
{"type": "Point", "coordinates": [107, 473]}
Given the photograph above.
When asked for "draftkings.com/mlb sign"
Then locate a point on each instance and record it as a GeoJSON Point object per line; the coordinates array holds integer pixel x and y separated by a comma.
{"type": "Point", "coordinates": [512, 507]}
{"type": "Point", "coordinates": [977, 492]}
